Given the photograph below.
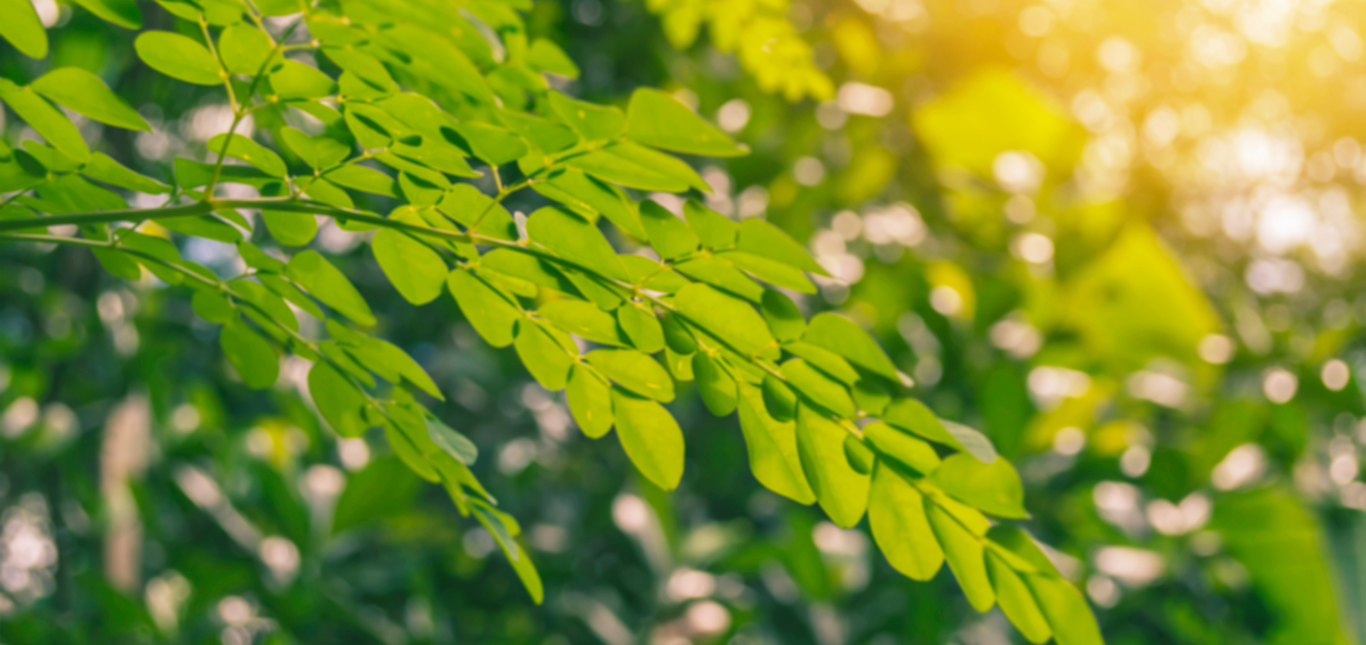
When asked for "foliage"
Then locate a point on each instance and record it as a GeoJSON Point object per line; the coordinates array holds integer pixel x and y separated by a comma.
{"type": "Point", "coordinates": [475, 90]}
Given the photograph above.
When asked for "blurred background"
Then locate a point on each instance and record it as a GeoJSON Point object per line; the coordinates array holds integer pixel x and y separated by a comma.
{"type": "Point", "coordinates": [1119, 237]}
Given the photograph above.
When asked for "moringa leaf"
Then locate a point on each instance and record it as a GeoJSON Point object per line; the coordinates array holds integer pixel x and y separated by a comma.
{"type": "Point", "coordinates": [48, 121]}
{"type": "Point", "coordinates": [590, 400]}
{"type": "Point", "coordinates": [491, 313]}
{"type": "Point", "coordinates": [896, 515]}
{"type": "Point", "coordinates": [841, 490]}
{"type": "Point", "coordinates": [85, 93]}
{"type": "Point", "coordinates": [22, 28]}
{"type": "Point", "coordinates": [179, 57]}
{"type": "Point", "coordinates": [415, 270]}
{"type": "Point", "coordinates": [634, 371]}
{"type": "Point", "coordinates": [657, 119]}
{"type": "Point", "coordinates": [650, 437]}
{"type": "Point", "coordinates": [250, 354]}
{"type": "Point", "coordinates": [316, 275]}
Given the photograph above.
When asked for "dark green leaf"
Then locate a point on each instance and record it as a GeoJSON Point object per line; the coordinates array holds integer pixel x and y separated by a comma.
{"type": "Point", "coordinates": [250, 354]}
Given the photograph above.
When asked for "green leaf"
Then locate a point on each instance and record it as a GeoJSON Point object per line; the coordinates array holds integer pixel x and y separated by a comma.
{"type": "Point", "coordinates": [859, 455]}
{"type": "Point", "coordinates": [722, 274]}
{"type": "Point", "coordinates": [48, 121]}
{"type": "Point", "coordinates": [250, 354]}
{"type": "Point", "coordinates": [772, 448]}
{"type": "Point", "coordinates": [590, 198]}
{"type": "Point", "coordinates": [179, 57]}
{"type": "Point", "coordinates": [527, 267]}
{"type": "Point", "coordinates": [364, 179]}
{"type": "Point", "coordinates": [636, 166]}
{"type": "Point", "coordinates": [256, 258]}
{"type": "Point", "coordinates": [830, 363]}
{"type": "Point", "coordinates": [455, 444]}
{"type": "Point", "coordinates": [766, 240]}
{"type": "Point", "coordinates": [314, 273]}
{"type": "Point", "coordinates": [22, 28]}
{"type": "Point", "coordinates": [590, 400]}
{"type": "Point", "coordinates": [492, 144]}
{"type": "Point", "coordinates": [912, 416]}
{"type": "Point", "coordinates": [276, 311]}
{"type": "Point", "coordinates": [818, 388]}
{"type": "Point", "coordinates": [286, 289]}
{"type": "Point", "coordinates": [124, 13]}
{"type": "Point", "coordinates": [1016, 601]}
{"type": "Point", "coordinates": [240, 147]}
{"type": "Point", "coordinates": [384, 487]}
{"type": "Point", "coordinates": [676, 335]}
{"type": "Point", "coordinates": [416, 271]}
{"type": "Point", "coordinates": [479, 212]}
{"type": "Point", "coordinates": [575, 241]}
{"type": "Point", "coordinates": [901, 446]}
{"type": "Point", "coordinates": [784, 319]}
{"type": "Point", "coordinates": [770, 271]}
{"type": "Point", "coordinates": [841, 490]}
{"type": "Point", "coordinates": [542, 134]}
{"type": "Point", "coordinates": [669, 235]}
{"type": "Point", "coordinates": [657, 119]}
{"type": "Point", "coordinates": [641, 327]}
{"type": "Point", "coordinates": [546, 359]}
{"type": "Point", "coordinates": [842, 336]}
{"type": "Point", "coordinates": [245, 49]}
{"type": "Point", "coordinates": [726, 317]}
{"type": "Point", "coordinates": [290, 228]}
{"type": "Point", "coordinates": [593, 122]}
{"type": "Point", "coordinates": [652, 275]}
{"type": "Point", "coordinates": [212, 306]}
{"type": "Point", "coordinates": [779, 399]}
{"type": "Point", "coordinates": [409, 452]}
{"type": "Point", "coordinates": [715, 384]}
{"type": "Point", "coordinates": [1066, 610]}
{"type": "Point", "coordinates": [337, 400]}
{"type": "Point", "coordinates": [964, 552]}
{"type": "Point", "coordinates": [679, 365]}
{"type": "Point", "coordinates": [366, 67]}
{"type": "Point", "coordinates": [634, 371]}
{"type": "Point", "coordinates": [548, 57]}
{"type": "Point", "coordinates": [85, 93]}
{"type": "Point", "coordinates": [583, 319]}
{"type": "Point", "coordinates": [896, 515]}
{"type": "Point", "coordinates": [994, 488]}
{"type": "Point", "coordinates": [103, 168]}
{"type": "Point", "coordinates": [295, 80]}
{"type": "Point", "coordinates": [650, 437]}
{"type": "Point", "coordinates": [155, 247]}
{"type": "Point", "coordinates": [526, 572]}
{"type": "Point", "coordinates": [318, 152]}
{"type": "Point", "coordinates": [489, 312]}
{"type": "Point", "coordinates": [716, 231]}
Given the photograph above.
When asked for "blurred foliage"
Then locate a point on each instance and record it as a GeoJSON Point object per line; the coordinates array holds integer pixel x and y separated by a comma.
{"type": "Point", "coordinates": [1121, 238]}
